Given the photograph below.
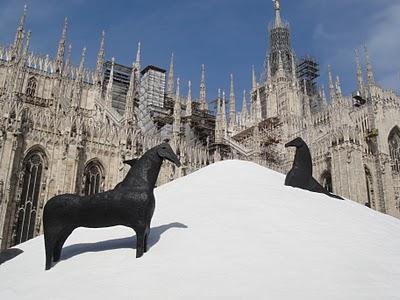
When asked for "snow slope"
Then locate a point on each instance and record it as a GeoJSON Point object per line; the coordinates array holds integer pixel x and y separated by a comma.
{"type": "Point", "coordinates": [229, 231]}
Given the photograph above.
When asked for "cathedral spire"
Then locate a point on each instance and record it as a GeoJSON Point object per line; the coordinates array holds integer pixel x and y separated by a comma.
{"type": "Point", "coordinates": [189, 100]}
{"type": "Point", "coordinates": [219, 103]}
{"type": "Point", "coordinates": [109, 90]}
{"type": "Point", "coordinates": [132, 95]}
{"type": "Point", "coordinates": [176, 127]}
{"type": "Point", "coordinates": [253, 79]}
{"type": "Point", "coordinates": [98, 75]}
{"type": "Point", "coordinates": [67, 60]}
{"type": "Point", "coordinates": [19, 35]}
{"type": "Point", "coordinates": [223, 111]}
{"type": "Point", "coordinates": [61, 48]}
{"type": "Point", "coordinates": [138, 55]}
{"type": "Point", "coordinates": [258, 113]}
{"type": "Point", "coordinates": [277, 7]}
{"type": "Point", "coordinates": [203, 100]}
{"type": "Point", "coordinates": [76, 101]}
{"type": "Point", "coordinates": [338, 87]}
{"type": "Point", "coordinates": [360, 81]}
{"type": "Point", "coordinates": [223, 106]}
{"type": "Point", "coordinates": [268, 68]}
{"type": "Point", "coordinates": [82, 64]}
{"type": "Point", "coordinates": [170, 82]}
{"type": "Point", "coordinates": [331, 86]}
{"type": "Point", "coordinates": [370, 71]}
{"type": "Point", "coordinates": [21, 24]}
{"type": "Point", "coordinates": [218, 120]}
{"type": "Point", "coordinates": [244, 109]}
{"type": "Point", "coordinates": [232, 105]}
{"type": "Point", "coordinates": [294, 74]}
{"type": "Point", "coordinates": [27, 44]}
{"type": "Point", "coordinates": [280, 41]}
{"type": "Point", "coordinates": [324, 101]}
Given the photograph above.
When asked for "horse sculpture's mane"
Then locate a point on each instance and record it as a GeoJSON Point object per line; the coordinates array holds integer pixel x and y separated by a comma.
{"type": "Point", "coordinates": [138, 175]}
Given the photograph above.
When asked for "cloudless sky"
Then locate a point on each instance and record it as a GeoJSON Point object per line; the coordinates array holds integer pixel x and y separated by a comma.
{"type": "Point", "coordinates": [228, 36]}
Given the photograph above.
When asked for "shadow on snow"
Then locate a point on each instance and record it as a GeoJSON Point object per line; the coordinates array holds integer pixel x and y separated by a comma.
{"type": "Point", "coordinates": [9, 254]}
{"type": "Point", "coordinates": [123, 243]}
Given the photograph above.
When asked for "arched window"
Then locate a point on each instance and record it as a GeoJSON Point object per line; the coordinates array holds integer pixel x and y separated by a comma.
{"type": "Point", "coordinates": [370, 189]}
{"type": "Point", "coordinates": [93, 178]}
{"type": "Point", "coordinates": [394, 148]}
{"type": "Point", "coordinates": [30, 185]}
{"type": "Point", "coordinates": [326, 181]}
{"type": "Point", "coordinates": [31, 88]}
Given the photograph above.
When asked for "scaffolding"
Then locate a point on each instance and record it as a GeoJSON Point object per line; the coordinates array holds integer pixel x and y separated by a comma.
{"type": "Point", "coordinates": [121, 79]}
{"type": "Point", "coordinates": [307, 73]}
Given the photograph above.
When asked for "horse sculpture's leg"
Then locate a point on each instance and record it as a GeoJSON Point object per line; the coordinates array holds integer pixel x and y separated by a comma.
{"type": "Point", "coordinates": [50, 239]}
{"type": "Point", "coordinates": [146, 236]}
{"type": "Point", "coordinates": [65, 233]}
{"type": "Point", "coordinates": [49, 244]}
{"type": "Point", "coordinates": [140, 237]}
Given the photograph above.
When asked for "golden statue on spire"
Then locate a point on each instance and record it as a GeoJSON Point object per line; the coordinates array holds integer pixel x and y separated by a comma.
{"type": "Point", "coordinates": [277, 4]}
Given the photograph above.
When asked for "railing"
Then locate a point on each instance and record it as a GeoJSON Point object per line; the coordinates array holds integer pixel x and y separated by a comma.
{"type": "Point", "coordinates": [238, 147]}
{"type": "Point", "coordinates": [36, 100]}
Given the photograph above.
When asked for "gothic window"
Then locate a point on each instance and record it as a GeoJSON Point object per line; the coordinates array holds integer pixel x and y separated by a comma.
{"type": "Point", "coordinates": [30, 185]}
{"type": "Point", "coordinates": [394, 148]}
{"type": "Point", "coordinates": [93, 178]}
{"type": "Point", "coordinates": [326, 181]}
{"type": "Point", "coordinates": [370, 189]}
{"type": "Point", "coordinates": [31, 88]}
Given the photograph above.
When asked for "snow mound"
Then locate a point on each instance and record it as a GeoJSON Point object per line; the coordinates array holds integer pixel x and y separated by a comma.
{"type": "Point", "coordinates": [229, 231]}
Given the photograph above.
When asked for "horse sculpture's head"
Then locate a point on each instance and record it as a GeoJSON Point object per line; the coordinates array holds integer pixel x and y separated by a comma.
{"type": "Point", "coordinates": [165, 152]}
{"type": "Point", "coordinates": [297, 142]}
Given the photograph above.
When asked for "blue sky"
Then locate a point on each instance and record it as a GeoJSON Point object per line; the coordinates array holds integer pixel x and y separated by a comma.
{"type": "Point", "coordinates": [228, 36]}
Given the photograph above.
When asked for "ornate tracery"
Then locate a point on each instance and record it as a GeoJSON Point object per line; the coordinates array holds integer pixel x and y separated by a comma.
{"type": "Point", "coordinates": [93, 178]}
{"type": "Point", "coordinates": [28, 202]}
{"type": "Point", "coordinates": [31, 87]}
{"type": "Point", "coordinates": [394, 148]}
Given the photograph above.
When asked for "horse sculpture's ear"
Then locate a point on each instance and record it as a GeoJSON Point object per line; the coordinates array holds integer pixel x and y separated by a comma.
{"type": "Point", "coordinates": [131, 162]}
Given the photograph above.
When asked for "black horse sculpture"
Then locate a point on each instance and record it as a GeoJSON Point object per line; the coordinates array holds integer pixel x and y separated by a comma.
{"type": "Point", "coordinates": [300, 175]}
{"type": "Point", "coordinates": [131, 203]}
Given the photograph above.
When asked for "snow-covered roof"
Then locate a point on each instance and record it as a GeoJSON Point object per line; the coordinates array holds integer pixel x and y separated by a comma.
{"type": "Point", "coordinates": [229, 231]}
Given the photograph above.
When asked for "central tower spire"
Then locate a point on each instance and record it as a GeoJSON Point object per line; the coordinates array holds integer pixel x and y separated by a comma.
{"type": "Point", "coordinates": [277, 6]}
{"type": "Point", "coordinates": [280, 42]}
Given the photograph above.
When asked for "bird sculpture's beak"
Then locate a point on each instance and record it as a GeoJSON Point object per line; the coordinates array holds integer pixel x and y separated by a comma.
{"type": "Point", "coordinates": [287, 145]}
{"type": "Point", "coordinates": [174, 159]}
{"type": "Point", "coordinates": [170, 155]}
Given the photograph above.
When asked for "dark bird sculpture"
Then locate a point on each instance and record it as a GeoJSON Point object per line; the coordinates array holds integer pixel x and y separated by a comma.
{"type": "Point", "coordinates": [131, 203]}
{"type": "Point", "coordinates": [300, 176]}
